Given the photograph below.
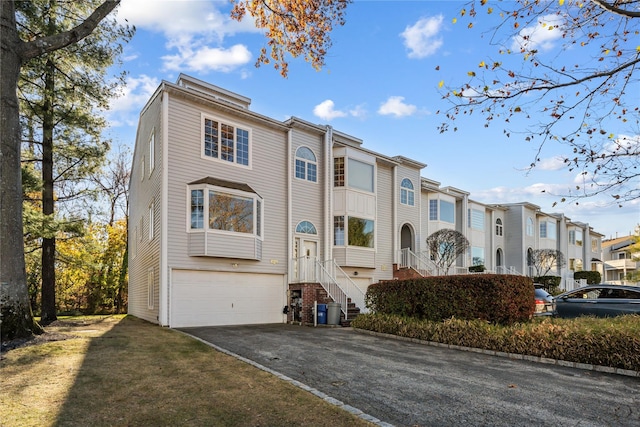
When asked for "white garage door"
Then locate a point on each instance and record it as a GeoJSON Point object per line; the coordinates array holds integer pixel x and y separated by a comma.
{"type": "Point", "coordinates": [206, 298]}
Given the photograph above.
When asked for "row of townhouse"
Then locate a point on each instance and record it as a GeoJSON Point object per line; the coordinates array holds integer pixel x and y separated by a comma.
{"type": "Point", "coordinates": [238, 218]}
{"type": "Point", "coordinates": [620, 264]}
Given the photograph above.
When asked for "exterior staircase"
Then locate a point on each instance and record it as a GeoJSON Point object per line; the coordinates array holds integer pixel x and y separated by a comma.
{"type": "Point", "coordinates": [352, 312]}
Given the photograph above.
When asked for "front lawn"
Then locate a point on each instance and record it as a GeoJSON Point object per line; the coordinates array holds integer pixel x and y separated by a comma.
{"type": "Point", "coordinates": [122, 371]}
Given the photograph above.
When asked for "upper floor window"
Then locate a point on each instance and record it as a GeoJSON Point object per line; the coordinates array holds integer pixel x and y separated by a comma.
{"type": "Point", "coordinates": [227, 209]}
{"type": "Point", "coordinates": [441, 210]}
{"type": "Point", "coordinates": [338, 172]}
{"type": "Point", "coordinates": [360, 175]}
{"type": "Point", "coordinates": [433, 210]}
{"type": "Point", "coordinates": [306, 165]}
{"type": "Point", "coordinates": [151, 220]}
{"type": "Point", "coordinates": [594, 244]}
{"type": "Point", "coordinates": [476, 219]}
{"type": "Point", "coordinates": [152, 152]}
{"type": "Point", "coordinates": [447, 211]}
{"type": "Point", "coordinates": [498, 227]}
{"type": "Point", "coordinates": [306, 227]}
{"type": "Point", "coordinates": [407, 195]}
{"type": "Point", "coordinates": [547, 230]}
{"type": "Point", "coordinates": [225, 142]}
{"type": "Point", "coordinates": [529, 226]}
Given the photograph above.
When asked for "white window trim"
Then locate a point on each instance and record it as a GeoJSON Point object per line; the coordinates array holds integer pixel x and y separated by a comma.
{"type": "Point", "coordinates": [306, 161]}
{"type": "Point", "coordinates": [151, 220]}
{"type": "Point", "coordinates": [407, 190]}
{"type": "Point", "coordinates": [206, 188]}
{"type": "Point", "coordinates": [235, 148]}
{"type": "Point", "coordinates": [151, 295]}
{"type": "Point", "coordinates": [152, 152]}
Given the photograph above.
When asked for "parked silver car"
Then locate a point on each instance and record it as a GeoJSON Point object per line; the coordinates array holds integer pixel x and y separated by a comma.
{"type": "Point", "coordinates": [545, 305]}
{"type": "Point", "coordinates": [599, 300]}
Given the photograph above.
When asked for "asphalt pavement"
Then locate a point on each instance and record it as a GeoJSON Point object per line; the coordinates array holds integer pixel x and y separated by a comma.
{"type": "Point", "coordinates": [402, 383]}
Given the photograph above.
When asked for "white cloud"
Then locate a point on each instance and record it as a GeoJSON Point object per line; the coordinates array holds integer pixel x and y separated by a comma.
{"type": "Point", "coordinates": [196, 29]}
{"type": "Point", "coordinates": [395, 106]}
{"type": "Point", "coordinates": [205, 58]}
{"type": "Point", "coordinates": [124, 109]}
{"type": "Point", "coordinates": [422, 38]}
{"type": "Point", "coordinates": [540, 36]}
{"type": "Point", "coordinates": [326, 110]}
{"type": "Point", "coordinates": [551, 164]}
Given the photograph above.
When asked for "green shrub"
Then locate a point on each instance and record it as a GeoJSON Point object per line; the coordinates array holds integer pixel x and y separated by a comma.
{"type": "Point", "coordinates": [593, 277]}
{"type": "Point", "coordinates": [477, 269]}
{"type": "Point", "coordinates": [610, 342]}
{"type": "Point", "coordinates": [490, 297]}
{"type": "Point", "coordinates": [550, 284]}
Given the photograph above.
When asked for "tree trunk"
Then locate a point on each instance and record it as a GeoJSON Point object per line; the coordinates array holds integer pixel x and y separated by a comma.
{"type": "Point", "coordinates": [48, 301]}
{"type": "Point", "coordinates": [15, 310]}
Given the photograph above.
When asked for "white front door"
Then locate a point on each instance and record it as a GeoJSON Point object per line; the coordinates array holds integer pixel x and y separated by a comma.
{"type": "Point", "coordinates": [305, 255]}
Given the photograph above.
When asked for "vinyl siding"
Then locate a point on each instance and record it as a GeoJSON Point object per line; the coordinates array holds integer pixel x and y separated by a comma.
{"type": "Point", "coordinates": [267, 177]}
{"type": "Point", "coordinates": [309, 201]}
{"type": "Point", "coordinates": [406, 214]}
{"type": "Point", "coordinates": [147, 254]}
{"type": "Point", "coordinates": [384, 257]}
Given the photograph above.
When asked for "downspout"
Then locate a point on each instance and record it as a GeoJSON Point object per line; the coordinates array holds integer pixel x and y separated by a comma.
{"type": "Point", "coordinates": [328, 190]}
{"type": "Point", "coordinates": [289, 206]}
{"type": "Point", "coordinates": [164, 291]}
{"type": "Point", "coordinates": [394, 215]}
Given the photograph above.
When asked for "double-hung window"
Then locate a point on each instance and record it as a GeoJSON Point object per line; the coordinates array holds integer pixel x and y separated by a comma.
{"type": "Point", "coordinates": [225, 142]}
{"type": "Point", "coordinates": [306, 165]}
{"type": "Point", "coordinates": [407, 194]}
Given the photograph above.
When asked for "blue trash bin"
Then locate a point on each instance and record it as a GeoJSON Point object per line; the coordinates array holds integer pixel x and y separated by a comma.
{"type": "Point", "coordinates": [322, 314]}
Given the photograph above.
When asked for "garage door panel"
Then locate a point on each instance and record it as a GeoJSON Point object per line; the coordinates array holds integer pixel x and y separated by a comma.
{"type": "Point", "coordinates": [200, 298]}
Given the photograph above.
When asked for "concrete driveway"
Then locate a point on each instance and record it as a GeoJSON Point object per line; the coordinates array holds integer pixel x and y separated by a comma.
{"type": "Point", "coordinates": [404, 383]}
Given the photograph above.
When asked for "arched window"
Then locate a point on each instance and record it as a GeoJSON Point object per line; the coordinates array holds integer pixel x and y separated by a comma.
{"type": "Point", "coordinates": [498, 227]}
{"type": "Point", "coordinates": [529, 226]}
{"type": "Point", "coordinates": [306, 166]}
{"type": "Point", "coordinates": [305, 227]}
{"type": "Point", "coordinates": [407, 196]}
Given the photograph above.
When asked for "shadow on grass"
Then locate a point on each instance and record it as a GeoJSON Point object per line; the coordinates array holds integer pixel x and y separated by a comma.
{"type": "Point", "coordinates": [139, 374]}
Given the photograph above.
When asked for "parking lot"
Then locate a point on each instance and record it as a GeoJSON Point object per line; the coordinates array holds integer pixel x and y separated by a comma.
{"type": "Point", "coordinates": [410, 384]}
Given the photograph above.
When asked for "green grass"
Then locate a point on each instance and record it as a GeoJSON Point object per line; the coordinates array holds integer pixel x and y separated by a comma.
{"type": "Point", "coordinates": [613, 342]}
{"type": "Point", "coordinates": [122, 371]}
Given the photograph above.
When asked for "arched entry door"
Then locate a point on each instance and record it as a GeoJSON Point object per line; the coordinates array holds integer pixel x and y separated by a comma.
{"type": "Point", "coordinates": [406, 238]}
{"type": "Point", "coordinates": [499, 261]}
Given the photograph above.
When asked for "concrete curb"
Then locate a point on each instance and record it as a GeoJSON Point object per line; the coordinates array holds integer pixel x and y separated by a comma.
{"type": "Point", "coordinates": [537, 359]}
{"type": "Point", "coordinates": [355, 411]}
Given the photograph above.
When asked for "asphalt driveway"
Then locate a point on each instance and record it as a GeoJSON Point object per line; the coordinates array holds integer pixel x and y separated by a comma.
{"type": "Point", "coordinates": [410, 384]}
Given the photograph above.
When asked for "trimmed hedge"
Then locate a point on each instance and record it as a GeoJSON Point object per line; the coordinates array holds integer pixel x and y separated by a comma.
{"type": "Point", "coordinates": [593, 277]}
{"type": "Point", "coordinates": [610, 342]}
{"type": "Point", "coordinates": [495, 298]}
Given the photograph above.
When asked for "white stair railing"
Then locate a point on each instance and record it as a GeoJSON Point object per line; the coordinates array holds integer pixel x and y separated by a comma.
{"type": "Point", "coordinates": [408, 259]}
{"type": "Point", "coordinates": [340, 287]}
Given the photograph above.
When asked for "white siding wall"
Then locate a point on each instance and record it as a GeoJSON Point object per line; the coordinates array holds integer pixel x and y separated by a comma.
{"type": "Point", "coordinates": [147, 253]}
{"type": "Point", "coordinates": [267, 177]}
{"type": "Point", "coordinates": [309, 201]}
{"type": "Point", "coordinates": [384, 223]}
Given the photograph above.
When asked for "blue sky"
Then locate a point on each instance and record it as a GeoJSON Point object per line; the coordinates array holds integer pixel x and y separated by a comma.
{"type": "Point", "coordinates": [380, 84]}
